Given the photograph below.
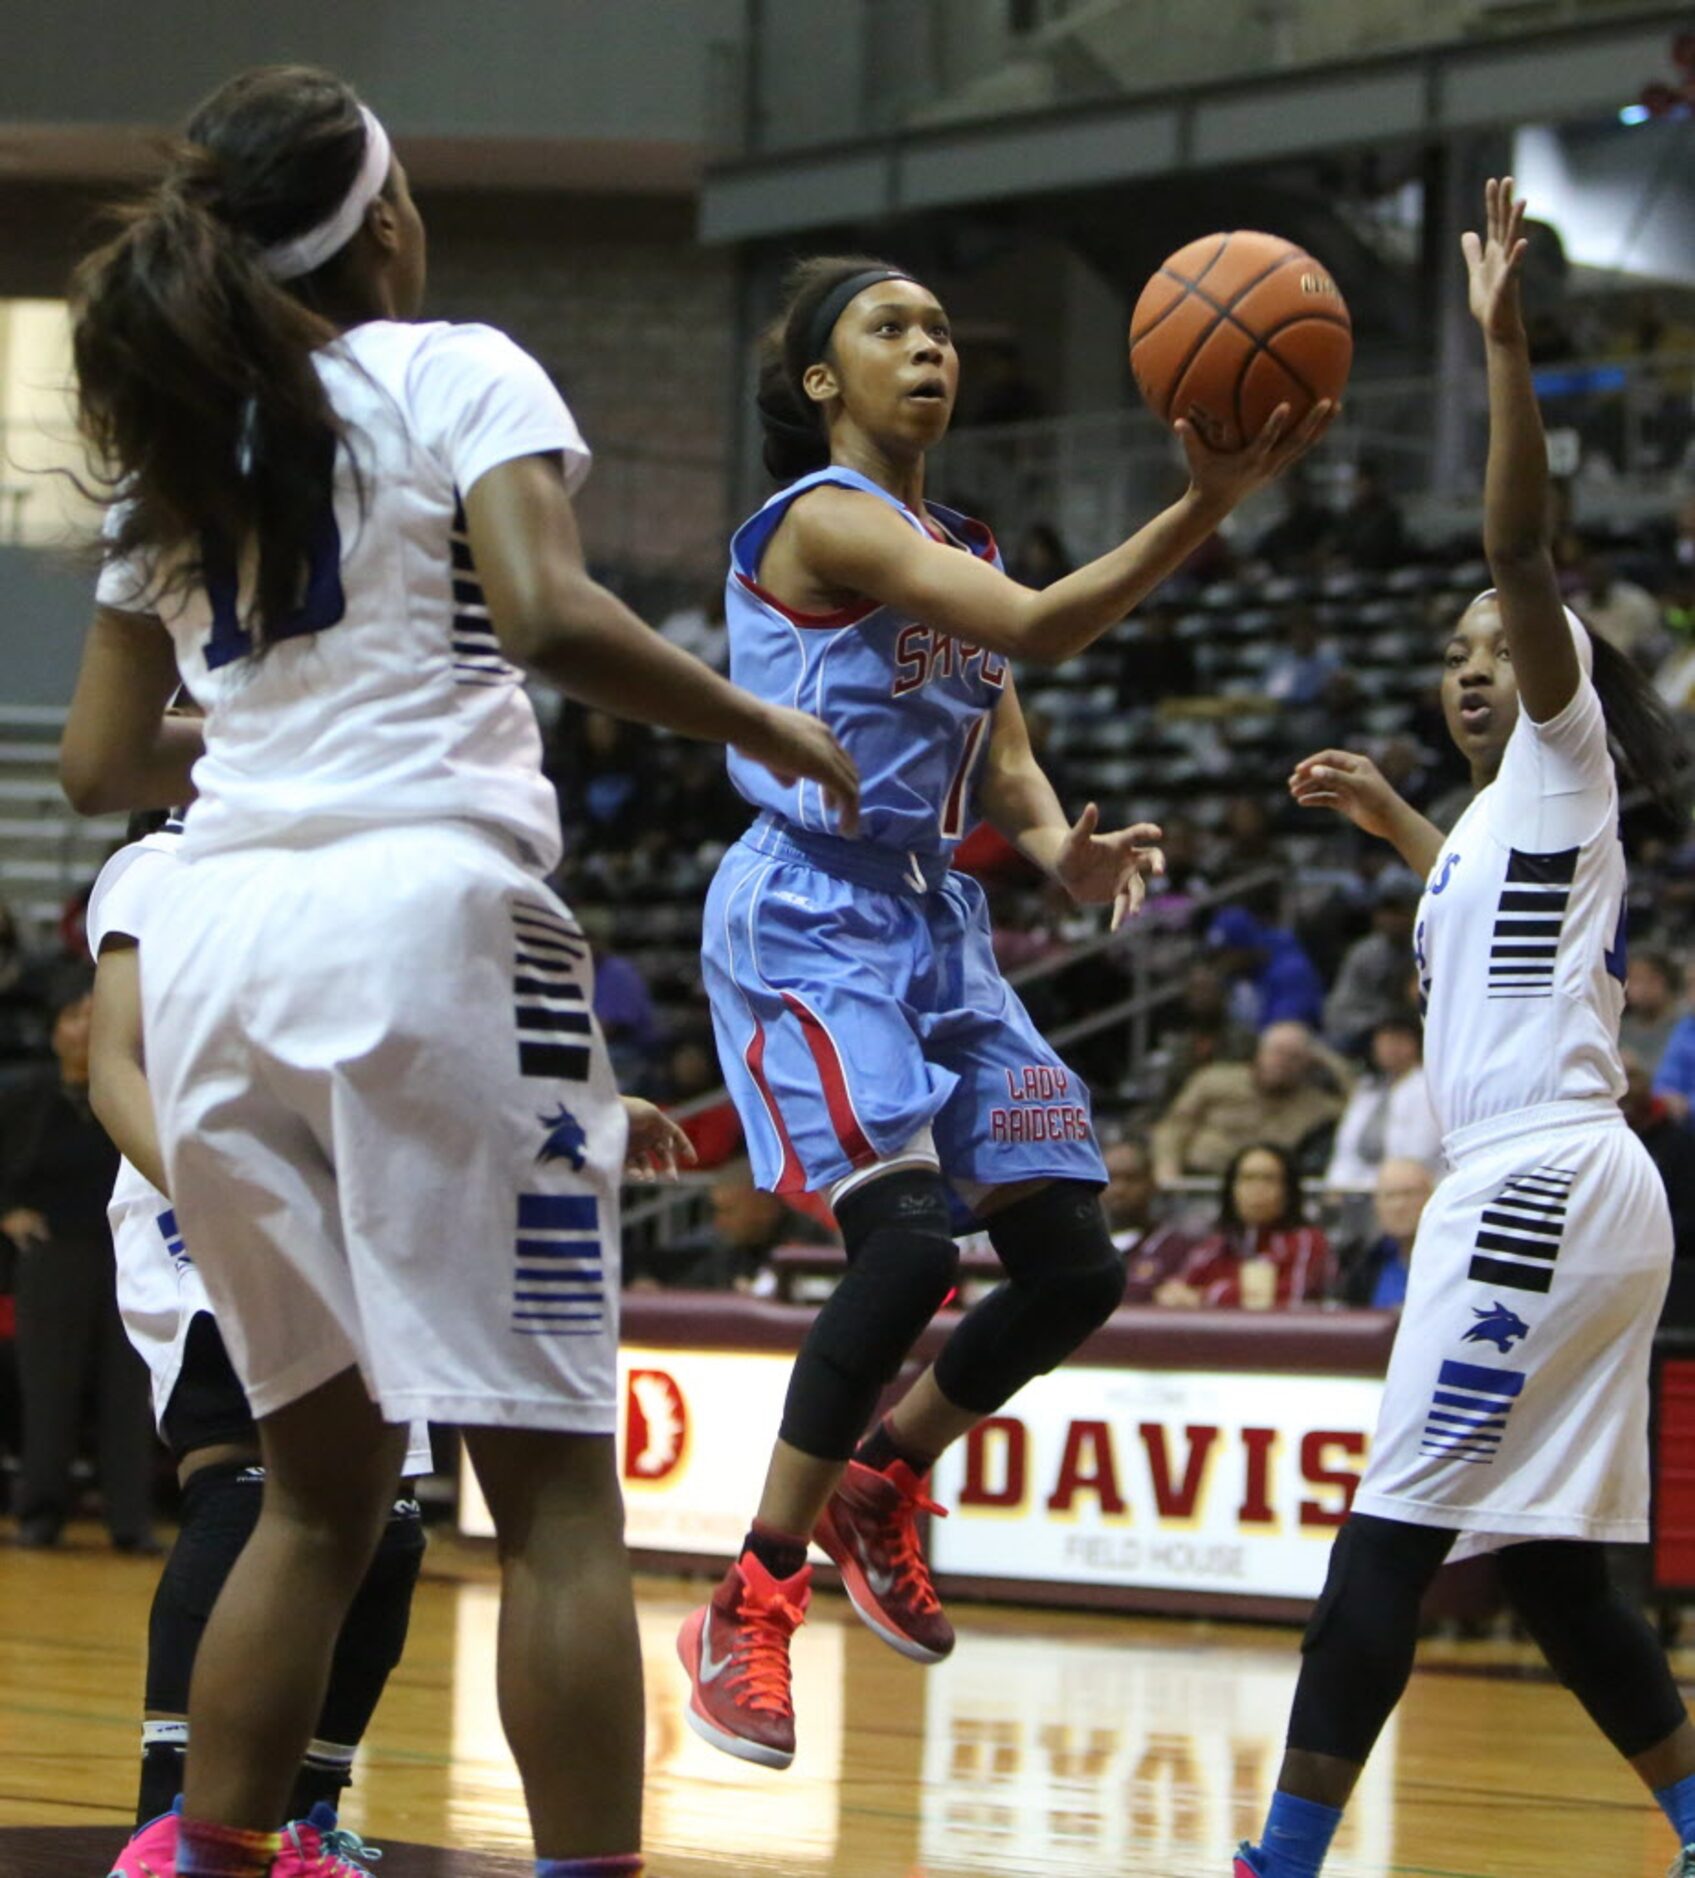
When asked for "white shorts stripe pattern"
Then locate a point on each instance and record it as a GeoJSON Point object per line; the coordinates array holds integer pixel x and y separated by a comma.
{"type": "Point", "coordinates": [1517, 1400]}
{"type": "Point", "coordinates": [384, 1151]}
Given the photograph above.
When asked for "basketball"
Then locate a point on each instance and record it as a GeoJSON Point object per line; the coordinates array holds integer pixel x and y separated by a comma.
{"type": "Point", "coordinates": [1233, 326]}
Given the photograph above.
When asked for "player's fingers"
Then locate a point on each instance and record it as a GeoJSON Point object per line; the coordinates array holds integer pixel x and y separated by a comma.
{"type": "Point", "coordinates": [1085, 825]}
{"type": "Point", "coordinates": [1472, 248]}
{"type": "Point", "coordinates": [1266, 442]}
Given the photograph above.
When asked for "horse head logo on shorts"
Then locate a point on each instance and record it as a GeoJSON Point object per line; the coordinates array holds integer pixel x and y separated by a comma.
{"type": "Point", "coordinates": [566, 1139]}
{"type": "Point", "coordinates": [1497, 1325]}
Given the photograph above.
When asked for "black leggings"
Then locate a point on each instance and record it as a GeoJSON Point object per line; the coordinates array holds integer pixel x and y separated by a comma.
{"type": "Point", "coordinates": [1358, 1650]}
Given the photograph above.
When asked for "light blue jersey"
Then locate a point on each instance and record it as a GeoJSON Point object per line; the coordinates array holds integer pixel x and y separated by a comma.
{"type": "Point", "coordinates": [857, 1004]}
{"type": "Point", "coordinates": [912, 706]}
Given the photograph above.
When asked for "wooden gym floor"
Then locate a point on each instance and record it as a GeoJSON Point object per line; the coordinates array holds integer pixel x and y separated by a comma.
{"type": "Point", "coordinates": [1049, 1744]}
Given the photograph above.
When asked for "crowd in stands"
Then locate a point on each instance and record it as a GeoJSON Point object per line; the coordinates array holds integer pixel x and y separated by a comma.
{"type": "Point", "coordinates": [1270, 1141]}
{"type": "Point", "coordinates": [1274, 1141]}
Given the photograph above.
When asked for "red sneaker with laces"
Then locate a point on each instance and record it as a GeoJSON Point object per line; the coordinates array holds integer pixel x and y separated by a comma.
{"type": "Point", "coordinates": [870, 1530]}
{"type": "Point", "coordinates": [736, 1651]}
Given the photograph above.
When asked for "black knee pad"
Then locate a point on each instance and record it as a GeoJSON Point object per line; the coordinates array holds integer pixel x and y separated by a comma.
{"type": "Point", "coordinates": [1596, 1641]}
{"type": "Point", "coordinates": [373, 1634]}
{"type": "Point", "coordinates": [1064, 1280]}
{"type": "Point", "coordinates": [902, 1262]}
{"type": "Point", "coordinates": [1358, 1649]}
{"type": "Point", "coordinates": [220, 1508]}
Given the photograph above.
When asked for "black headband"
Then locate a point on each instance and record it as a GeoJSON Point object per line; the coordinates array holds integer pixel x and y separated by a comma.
{"type": "Point", "coordinates": [835, 303]}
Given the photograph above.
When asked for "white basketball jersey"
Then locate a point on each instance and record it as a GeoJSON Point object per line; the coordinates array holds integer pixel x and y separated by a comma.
{"type": "Point", "coordinates": [1521, 938]}
{"type": "Point", "coordinates": [159, 1290]}
{"type": "Point", "coordinates": [384, 697]}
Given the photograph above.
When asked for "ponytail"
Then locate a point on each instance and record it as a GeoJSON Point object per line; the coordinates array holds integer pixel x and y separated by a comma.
{"type": "Point", "coordinates": [795, 438]}
{"type": "Point", "coordinates": [1653, 758]}
{"type": "Point", "coordinates": [197, 386]}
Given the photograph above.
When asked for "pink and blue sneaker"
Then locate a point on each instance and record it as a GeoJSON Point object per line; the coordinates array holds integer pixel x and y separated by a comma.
{"type": "Point", "coordinates": [316, 1847]}
{"type": "Point", "coordinates": [152, 1853]}
{"type": "Point", "coordinates": [313, 1847]}
{"type": "Point", "coordinates": [1247, 1862]}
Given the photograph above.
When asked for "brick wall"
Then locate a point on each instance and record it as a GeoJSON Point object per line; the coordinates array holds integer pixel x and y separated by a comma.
{"type": "Point", "coordinates": [636, 323]}
{"type": "Point", "coordinates": [612, 294]}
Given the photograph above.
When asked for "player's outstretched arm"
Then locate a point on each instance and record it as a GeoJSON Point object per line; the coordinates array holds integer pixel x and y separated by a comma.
{"type": "Point", "coordinates": [554, 618]}
{"type": "Point", "coordinates": [855, 544]}
{"type": "Point", "coordinates": [120, 750]}
{"type": "Point", "coordinates": [1354, 786]}
{"type": "Point", "coordinates": [117, 1081]}
{"type": "Point", "coordinates": [1016, 795]}
{"type": "Point", "coordinates": [1515, 491]}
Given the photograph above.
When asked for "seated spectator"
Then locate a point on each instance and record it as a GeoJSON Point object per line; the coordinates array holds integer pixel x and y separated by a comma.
{"type": "Point", "coordinates": [1272, 979]}
{"type": "Point", "coordinates": [1205, 1033]}
{"type": "Point", "coordinates": [1041, 556]}
{"type": "Point", "coordinates": [1300, 535]}
{"type": "Point", "coordinates": [1670, 1145]}
{"type": "Point", "coordinates": [1277, 1098]}
{"type": "Point", "coordinates": [1375, 1273]}
{"type": "Point", "coordinates": [1371, 983]}
{"type": "Point", "coordinates": [1624, 614]}
{"type": "Point", "coordinates": [1674, 1078]}
{"type": "Point", "coordinates": [1304, 667]}
{"type": "Point", "coordinates": [732, 1252]}
{"type": "Point", "coordinates": [1370, 532]}
{"type": "Point", "coordinates": [1156, 664]}
{"type": "Point", "coordinates": [598, 765]}
{"type": "Point", "coordinates": [1246, 842]}
{"type": "Point", "coordinates": [1388, 1117]}
{"type": "Point", "coordinates": [713, 1127]}
{"type": "Point", "coordinates": [56, 1174]}
{"type": "Point", "coordinates": [1262, 1251]}
{"type": "Point", "coordinates": [1650, 1006]}
{"type": "Point", "coordinates": [622, 1002]}
{"type": "Point", "coordinates": [1152, 1252]}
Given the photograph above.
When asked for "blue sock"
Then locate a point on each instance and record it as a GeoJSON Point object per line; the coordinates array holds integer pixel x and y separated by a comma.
{"type": "Point", "coordinates": [622, 1865]}
{"type": "Point", "coordinates": [1678, 1804]}
{"type": "Point", "coordinates": [1297, 1835]}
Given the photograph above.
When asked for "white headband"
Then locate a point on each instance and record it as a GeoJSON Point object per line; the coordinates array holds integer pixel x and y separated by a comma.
{"type": "Point", "coordinates": [1582, 644]}
{"type": "Point", "coordinates": [288, 260]}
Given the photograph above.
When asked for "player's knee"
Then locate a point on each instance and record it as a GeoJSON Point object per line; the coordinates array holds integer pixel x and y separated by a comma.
{"type": "Point", "coordinates": [219, 1511]}
{"type": "Point", "coordinates": [1059, 1254]}
{"type": "Point", "coordinates": [899, 1240]}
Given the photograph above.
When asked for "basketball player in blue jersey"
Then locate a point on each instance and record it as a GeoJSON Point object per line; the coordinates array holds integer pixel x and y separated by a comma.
{"type": "Point", "coordinates": [1515, 1418]}
{"type": "Point", "coordinates": [386, 1118]}
{"type": "Point", "coordinates": [871, 1045]}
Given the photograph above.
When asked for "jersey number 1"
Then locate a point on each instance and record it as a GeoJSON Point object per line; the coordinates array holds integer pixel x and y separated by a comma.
{"type": "Point", "coordinates": [324, 603]}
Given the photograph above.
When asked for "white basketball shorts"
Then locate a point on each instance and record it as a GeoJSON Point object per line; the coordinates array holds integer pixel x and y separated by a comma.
{"type": "Point", "coordinates": [390, 1125]}
{"type": "Point", "coordinates": [1517, 1400]}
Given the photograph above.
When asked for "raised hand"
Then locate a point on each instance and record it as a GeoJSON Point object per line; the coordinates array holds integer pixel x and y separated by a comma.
{"type": "Point", "coordinates": [1494, 262]}
{"type": "Point", "coordinates": [1350, 784]}
{"type": "Point", "coordinates": [1228, 476]}
{"type": "Point", "coordinates": [1095, 868]}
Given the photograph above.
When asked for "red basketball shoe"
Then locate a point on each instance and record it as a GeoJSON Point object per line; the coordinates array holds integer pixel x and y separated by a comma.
{"type": "Point", "coordinates": [736, 1650]}
{"type": "Point", "coordinates": [870, 1529]}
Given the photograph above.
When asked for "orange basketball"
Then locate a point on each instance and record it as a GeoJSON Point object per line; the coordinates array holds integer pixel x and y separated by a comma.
{"type": "Point", "coordinates": [1233, 326]}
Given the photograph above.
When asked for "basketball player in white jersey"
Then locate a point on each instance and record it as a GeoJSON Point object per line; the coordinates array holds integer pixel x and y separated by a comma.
{"type": "Point", "coordinates": [1515, 1419]}
{"type": "Point", "coordinates": [202, 1414]}
{"type": "Point", "coordinates": [386, 1119]}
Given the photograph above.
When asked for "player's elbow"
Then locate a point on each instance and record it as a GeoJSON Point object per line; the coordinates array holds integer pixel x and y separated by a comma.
{"type": "Point", "coordinates": [91, 777]}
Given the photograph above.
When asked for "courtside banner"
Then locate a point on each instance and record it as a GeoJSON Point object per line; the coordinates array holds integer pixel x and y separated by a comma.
{"type": "Point", "coordinates": [695, 1429]}
{"type": "Point", "coordinates": [1222, 1481]}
